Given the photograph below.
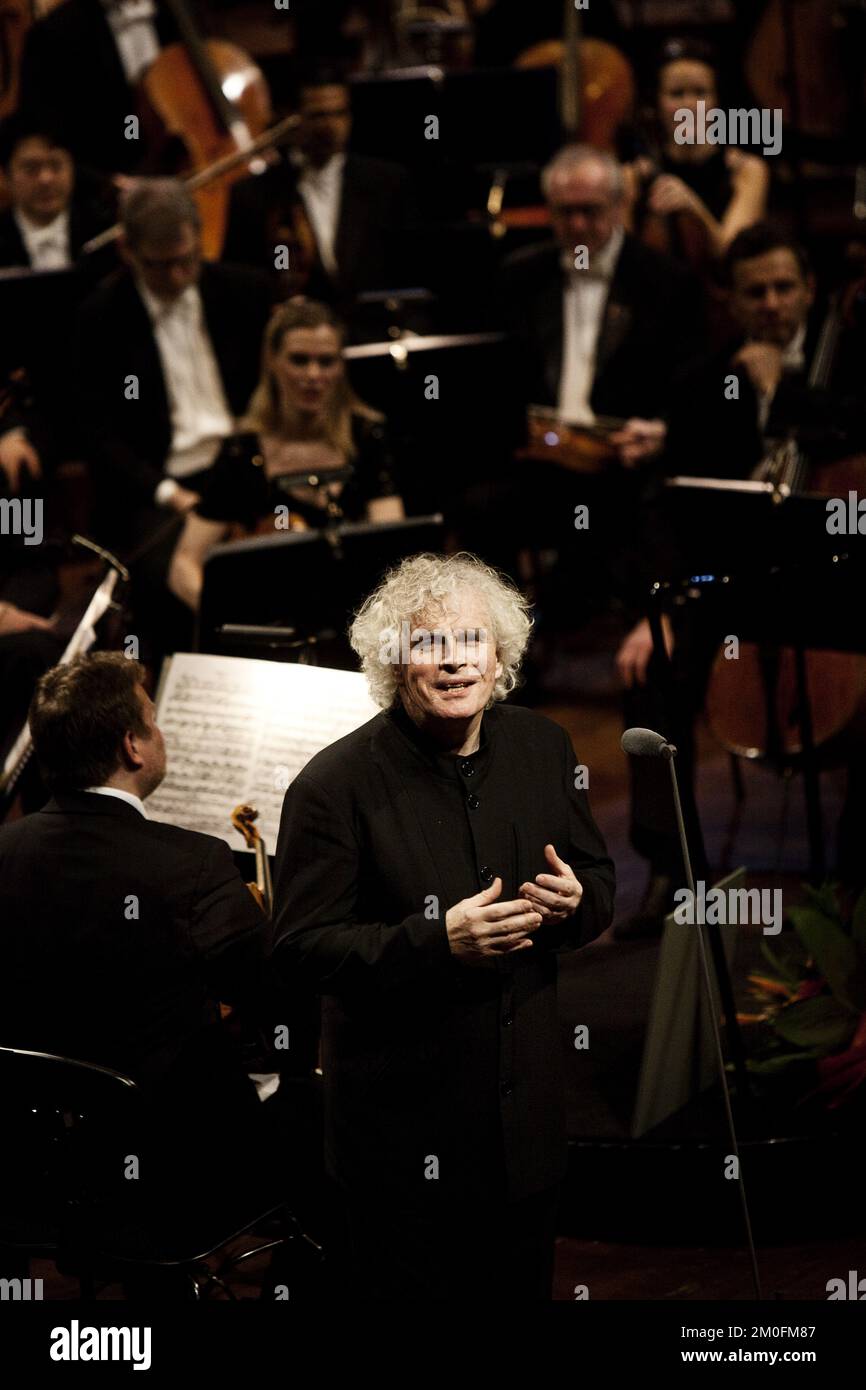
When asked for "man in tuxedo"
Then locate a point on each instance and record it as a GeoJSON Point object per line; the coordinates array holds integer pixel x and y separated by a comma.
{"type": "Point", "coordinates": [121, 934]}
{"type": "Point", "coordinates": [351, 211]}
{"type": "Point", "coordinates": [168, 355]}
{"type": "Point", "coordinates": [79, 70]}
{"type": "Point", "coordinates": [599, 323]}
{"type": "Point", "coordinates": [50, 214]}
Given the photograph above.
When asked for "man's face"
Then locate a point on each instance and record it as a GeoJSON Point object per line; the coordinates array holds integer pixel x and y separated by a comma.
{"type": "Point", "coordinates": [582, 210]}
{"type": "Point", "coordinates": [453, 666]}
{"type": "Point", "coordinates": [150, 747]}
{"type": "Point", "coordinates": [771, 297]}
{"type": "Point", "coordinates": [327, 122]}
{"type": "Point", "coordinates": [41, 179]}
{"type": "Point", "coordinates": [167, 268]}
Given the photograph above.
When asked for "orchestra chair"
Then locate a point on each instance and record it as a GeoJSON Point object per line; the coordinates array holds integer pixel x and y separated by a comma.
{"type": "Point", "coordinates": [69, 1127]}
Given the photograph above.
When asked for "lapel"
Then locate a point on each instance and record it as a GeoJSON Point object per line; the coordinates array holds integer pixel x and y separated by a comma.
{"type": "Point", "coordinates": [618, 316]}
{"type": "Point", "coordinates": [221, 327]}
{"type": "Point", "coordinates": [549, 317]}
{"type": "Point", "coordinates": [14, 252]}
{"type": "Point", "coordinates": [348, 241]}
{"type": "Point", "coordinates": [134, 331]}
{"type": "Point", "coordinates": [97, 38]}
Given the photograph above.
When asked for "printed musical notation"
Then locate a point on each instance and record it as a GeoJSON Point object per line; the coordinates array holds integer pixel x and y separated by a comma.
{"type": "Point", "coordinates": [241, 730]}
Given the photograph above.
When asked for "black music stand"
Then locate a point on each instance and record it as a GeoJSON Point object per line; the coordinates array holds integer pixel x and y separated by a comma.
{"type": "Point", "coordinates": [764, 566]}
{"type": "Point", "coordinates": [306, 585]}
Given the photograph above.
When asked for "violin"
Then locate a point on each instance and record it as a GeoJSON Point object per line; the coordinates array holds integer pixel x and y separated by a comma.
{"type": "Point", "coordinates": [579, 448]}
{"type": "Point", "coordinates": [243, 820]}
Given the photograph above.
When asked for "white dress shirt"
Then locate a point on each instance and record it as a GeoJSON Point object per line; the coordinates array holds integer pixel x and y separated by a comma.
{"type": "Point", "coordinates": [47, 247]}
{"type": "Point", "coordinates": [583, 304]}
{"type": "Point", "coordinates": [129, 797]}
{"type": "Point", "coordinates": [200, 415]}
{"type": "Point", "coordinates": [132, 23]}
{"type": "Point", "coordinates": [322, 192]}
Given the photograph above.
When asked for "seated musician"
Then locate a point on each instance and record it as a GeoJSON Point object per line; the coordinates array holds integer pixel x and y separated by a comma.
{"type": "Point", "coordinates": [600, 323]}
{"type": "Point", "coordinates": [51, 212]}
{"type": "Point", "coordinates": [164, 355]}
{"type": "Point", "coordinates": [344, 217]}
{"type": "Point", "coordinates": [303, 424]}
{"type": "Point", "coordinates": [84, 975]}
{"type": "Point", "coordinates": [721, 189]}
{"type": "Point", "coordinates": [603, 336]}
{"type": "Point", "coordinates": [728, 410]}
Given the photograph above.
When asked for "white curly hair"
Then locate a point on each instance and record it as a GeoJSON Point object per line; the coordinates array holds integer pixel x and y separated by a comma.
{"type": "Point", "coordinates": [417, 589]}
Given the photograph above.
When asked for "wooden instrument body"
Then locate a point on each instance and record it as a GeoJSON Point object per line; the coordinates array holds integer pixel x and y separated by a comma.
{"type": "Point", "coordinates": [175, 91]}
{"type": "Point", "coordinates": [579, 448]}
{"type": "Point", "coordinates": [809, 39]}
{"type": "Point", "coordinates": [606, 86]}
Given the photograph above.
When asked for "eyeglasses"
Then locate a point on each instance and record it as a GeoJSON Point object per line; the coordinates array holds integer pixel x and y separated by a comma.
{"type": "Point", "coordinates": [187, 262]}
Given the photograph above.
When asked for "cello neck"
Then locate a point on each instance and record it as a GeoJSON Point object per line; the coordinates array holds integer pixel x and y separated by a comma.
{"type": "Point", "coordinates": [192, 41]}
{"type": "Point", "coordinates": [569, 73]}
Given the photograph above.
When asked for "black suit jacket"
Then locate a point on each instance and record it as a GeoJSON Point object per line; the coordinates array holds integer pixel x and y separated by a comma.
{"type": "Point", "coordinates": [85, 220]}
{"type": "Point", "coordinates": [128, 440]}
{"type": "Point", "coordinates": [71, 74]}
{"type": "Point", "coordinates": [119, 936]}
{"type": "Point", "coordinates": [716, 434]}
{"type": "Point", "coordinates": [422, 1055]}
{"type": "Point", "coordinates": [652, 324]}
{"type": "Point", "coordinates": [375, 213]}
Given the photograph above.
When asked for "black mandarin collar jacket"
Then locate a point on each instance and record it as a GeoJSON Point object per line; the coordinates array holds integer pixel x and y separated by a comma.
{"type": "Point", "coordinates": [422, 1055]}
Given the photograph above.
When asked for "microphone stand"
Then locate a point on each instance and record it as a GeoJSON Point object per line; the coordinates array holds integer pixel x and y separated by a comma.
{"type": "Point", "coordinates": [669, 752]}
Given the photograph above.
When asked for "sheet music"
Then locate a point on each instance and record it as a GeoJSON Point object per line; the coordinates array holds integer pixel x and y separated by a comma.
{"type": "Point", "coordinates": [241, 730]}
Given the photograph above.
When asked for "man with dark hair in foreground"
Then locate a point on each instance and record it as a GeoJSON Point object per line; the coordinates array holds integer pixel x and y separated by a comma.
{"type": "Point", "coordinates": [120, 937]}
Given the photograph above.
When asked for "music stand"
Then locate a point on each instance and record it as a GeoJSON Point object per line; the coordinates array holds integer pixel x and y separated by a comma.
{"type": "Point", "coordinates": [307, 582]}
{"type": "Point", "coordinates": [762, 565]}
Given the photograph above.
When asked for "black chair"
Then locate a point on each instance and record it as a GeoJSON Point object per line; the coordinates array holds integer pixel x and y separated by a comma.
{"type": "Point", "coordinates": [71, 1127]}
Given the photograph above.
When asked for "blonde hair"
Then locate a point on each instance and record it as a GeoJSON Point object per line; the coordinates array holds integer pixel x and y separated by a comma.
{"type": "Point", "coordinates": [267, 413]}
{"type": "Point", "coordinates": [423, 583]}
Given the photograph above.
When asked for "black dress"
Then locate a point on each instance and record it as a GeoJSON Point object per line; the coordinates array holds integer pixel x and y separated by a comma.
{"type": "Point", "coordinates": [238, 489]}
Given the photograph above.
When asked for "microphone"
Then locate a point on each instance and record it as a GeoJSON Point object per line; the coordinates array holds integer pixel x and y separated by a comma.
{"type": "Point", "coordinates": [646, 743]}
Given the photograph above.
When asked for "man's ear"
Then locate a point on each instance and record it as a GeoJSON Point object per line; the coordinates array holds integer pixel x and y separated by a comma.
{"type": "Point", "coordinates": [130, 751]}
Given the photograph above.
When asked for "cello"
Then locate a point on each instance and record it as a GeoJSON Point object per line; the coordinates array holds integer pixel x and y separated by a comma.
{"type": "Point", "coordinates": [212, 96]}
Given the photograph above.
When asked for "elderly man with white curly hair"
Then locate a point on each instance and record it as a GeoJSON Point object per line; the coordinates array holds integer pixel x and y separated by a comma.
{"type": "Point", "coordinates": [430, 866]}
